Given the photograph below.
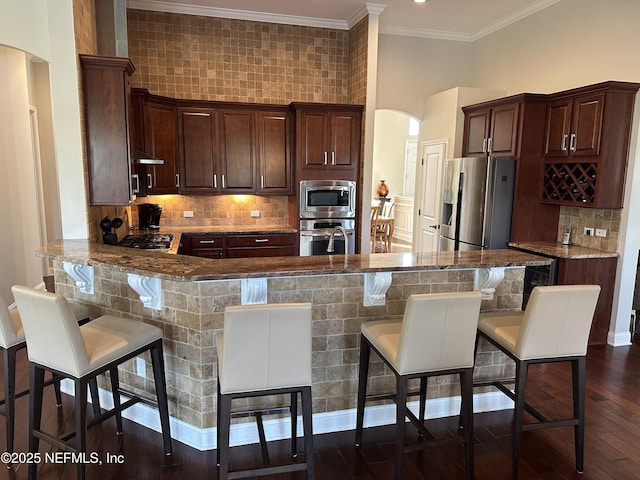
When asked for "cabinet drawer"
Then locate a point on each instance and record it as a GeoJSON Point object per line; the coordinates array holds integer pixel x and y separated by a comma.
{"type": "Point", "coordinates": [206, 241]}
{"type": "Point", "coordinates": [261, 241]}
{"type": "Point", "coordinates": [208, 252]}
{"type": "Point", "coordinates": [248, 252]}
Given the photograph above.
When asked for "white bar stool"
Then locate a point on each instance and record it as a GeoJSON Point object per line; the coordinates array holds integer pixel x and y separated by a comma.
{"type": "Point", "coordinates": [11, 341]}
{"type": "Point", "coordinates": [265, 350]}
{"type": "Point", "coordinates": [553, 328]}
{"type": "Point", "coordinates": [435, 337]}
{"type": "Point", "coordinates": [56, 342]}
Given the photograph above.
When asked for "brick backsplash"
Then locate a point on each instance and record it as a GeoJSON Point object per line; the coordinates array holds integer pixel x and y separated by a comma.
{"type": "Point", "coordinates": [578, 218]}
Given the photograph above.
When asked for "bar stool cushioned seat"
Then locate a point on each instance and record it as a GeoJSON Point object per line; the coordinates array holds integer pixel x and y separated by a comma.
{"type": "Point", "coordinates": [56, 342]}
{"type": "Point", "coordinates": [435, 337]}
{"type": "Point", "coordinates": [11, 341]}
{"type": "Point", "coordinates": [554, 327]}
{"type": "Point", "coordinates": [265, 350]}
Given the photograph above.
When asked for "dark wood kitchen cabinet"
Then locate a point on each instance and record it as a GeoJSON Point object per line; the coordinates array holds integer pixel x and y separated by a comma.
{"type": "Point", "coordinates": [237, 150]}
{"type": "Point", "coordinates": [491, 130]}
{"type": "Point", "coordinates": [155, 135]}
{"type": "Point", "coordinates": [197, 145]}
{"type": "Point", "coordinates": [267, 245]}
{"type": "Point", "coordinates": [328, 141]}
{"type": "Point", "coordinates": [593, 271]}
{"type": "Point", "coordinates": [273, 152]}
{"type": "Point", "coordinates": [107, 97]}
{"type": "Point", "coordinates": [586, 145]}
{"type": "Point", "coordinates": [202, 245]}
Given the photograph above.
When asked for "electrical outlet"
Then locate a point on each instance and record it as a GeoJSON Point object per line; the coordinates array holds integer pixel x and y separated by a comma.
{"type": "Point", "coordinates": [141, 369]}
{"type": "Point", "coordinates": [187, 214]}
{"type": "Point", "coordinates": [255, 213]}
{"type": "Point", "coordinates": [588, 231]}
{"type": "Point", "coordinates": [601, 232]}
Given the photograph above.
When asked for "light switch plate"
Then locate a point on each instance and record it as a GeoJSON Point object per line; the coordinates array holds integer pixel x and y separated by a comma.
{"type": "Point", "coordinates": [187, 214]}
{"type": "Point", "coordinates": [601, 232]}
{"type": "Point", "coordinates": [255, 213]}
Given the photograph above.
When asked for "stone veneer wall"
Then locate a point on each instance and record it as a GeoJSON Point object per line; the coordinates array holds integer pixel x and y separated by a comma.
{"type": "Point", "coordinates": [193, 315]}
{"type": "Point", "coordinates": [578, 218]}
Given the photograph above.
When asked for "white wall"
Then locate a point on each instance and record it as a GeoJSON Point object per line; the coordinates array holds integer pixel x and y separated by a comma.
{"type": "Point", "coordinates": [18, 215]}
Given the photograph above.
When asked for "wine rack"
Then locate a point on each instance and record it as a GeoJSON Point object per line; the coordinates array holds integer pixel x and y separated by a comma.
{"type": "Point", "coordinates": [570, 183]}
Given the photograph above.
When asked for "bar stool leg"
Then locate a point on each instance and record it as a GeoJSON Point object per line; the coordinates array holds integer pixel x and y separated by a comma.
{"type": "Point", "coordinates": [81, 422]}
{"type": "Point", "coordinates": [522, 368]}
{"type": "Point", "coordinates": [56, 388]}
{"type": "Point", "coordinates": [36, 381]}
{"type": "Point", "coordinates": [224, 426]}
{"type": "Point", "coordinates": [307, 425]}
{"type": "Point", "coordinates": [157, 362]}
{"type": "Point", "coordinates": [365, 353]}
{"type": "Point", "coordinates": [466, 393]}
{"type": "Point", "coordinates": [423, 399]}
{"type": "Point", "coordinates": [401, 407]}
{"type": "Point", "coordinates": [294, 424]}
{"type": "Point", "coordinates": [578, 374]}
{"type": "Point", "coordinates": [115, 385]}
{"type": "Point", "coordinates": [9, 363]}
{"type": "Point", "coordinates": [218, 423]}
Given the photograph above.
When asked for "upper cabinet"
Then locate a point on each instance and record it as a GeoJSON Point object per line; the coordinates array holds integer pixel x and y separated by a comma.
{"type": "Point", "coordinates": [237, 150]}
{"type": "Point", "coordinates": [197, 141]}
{"type": "Point", "coordinates": [491, 130]}
{"type": "Point", "coordinates": [587, 144]}
{"type": "Point", "coordinates": [273, 151]}
{"type": "Point", "coordinates": [155, 139]}
{"type": "Point", "coordinates": [328, 139]}
{"type": "Point", "coordinates": [106, 90]}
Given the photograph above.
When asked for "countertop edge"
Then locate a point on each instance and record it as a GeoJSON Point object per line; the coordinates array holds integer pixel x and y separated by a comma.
{"type": "Point", "coordinates": [557, 250]}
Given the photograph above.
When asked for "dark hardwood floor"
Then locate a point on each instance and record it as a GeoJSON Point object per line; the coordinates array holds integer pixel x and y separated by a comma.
{"type": "Point", "coordinates": [612, 450]}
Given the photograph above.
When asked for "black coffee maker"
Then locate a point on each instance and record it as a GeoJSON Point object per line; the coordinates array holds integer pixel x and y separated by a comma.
{"type": "Point", "coordinates": [149, 216]}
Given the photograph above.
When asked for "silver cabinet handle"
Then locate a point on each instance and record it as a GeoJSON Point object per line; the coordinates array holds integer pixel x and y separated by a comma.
{"type": "Point", "coordinates": [177, 180]}
{"type": "Point", "coordinates": [333, 158]}
{"type": "Point", "coordinates": [563, 147]}
{"type": "Point", "coordinates": [215, 181]}
{"type": "Point", "coordinates": [149, 181]}
{"type": "Point", "coordinates": [262, 240]}
{"type": "Point", "coordinates": [207, 242]}
{"type": "Point", "coordinates": [325, 158]}
{"type": "Point", "coordinates": [262, 181]}
{"type": "Point", "coordinates": [136, 177]}
{"type": "Point", "coordinates": [222, 176]}
{"type": "Point", "coordinates": [489, 145]}
{"type": "Point", "coordinates": [572, 142]}
{"type": "Point", "coordinates": [484, 145]}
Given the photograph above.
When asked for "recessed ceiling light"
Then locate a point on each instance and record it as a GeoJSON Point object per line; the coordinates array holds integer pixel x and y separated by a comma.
{"type": "Point", "coordinates": [419, 1]}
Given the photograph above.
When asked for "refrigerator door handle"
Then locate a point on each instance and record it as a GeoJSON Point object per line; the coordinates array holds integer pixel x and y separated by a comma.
{"type": "Point", "coordinates": [458, 212]}
{"type": "Point", "coordinates": [488, 200]}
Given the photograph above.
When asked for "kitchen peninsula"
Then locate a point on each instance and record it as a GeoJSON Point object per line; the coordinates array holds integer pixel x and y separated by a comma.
{"type": "Point", "coordinates": [344, 291]}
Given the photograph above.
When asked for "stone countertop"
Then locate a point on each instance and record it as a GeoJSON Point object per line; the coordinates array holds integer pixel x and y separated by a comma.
{"type": "Point", "coordinates": [154, 263]}
{"type": "Point", "coordinates": [557, 250]}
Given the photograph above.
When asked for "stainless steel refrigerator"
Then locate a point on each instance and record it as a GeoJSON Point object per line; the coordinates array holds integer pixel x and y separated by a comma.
{"type": "Point", "coordinates": [477, 202]}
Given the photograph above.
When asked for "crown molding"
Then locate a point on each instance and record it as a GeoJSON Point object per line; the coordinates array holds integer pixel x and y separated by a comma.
{"type": "Point", "coordinates": [362, 12]}
{"type": "Point", "coordinates": [513, 18]}
{"type": "Point", "coordinates": [236, 14]}
{"type": "Point", "coordinates": [426, 33]}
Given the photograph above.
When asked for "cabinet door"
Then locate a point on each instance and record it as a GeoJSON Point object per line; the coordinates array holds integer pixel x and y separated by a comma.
{"type": "Point", "coordinates": [344, 147]}
{"type": "Point", "coordinates": [160, 141]}
{"type": "Point", "coordinates": [476, 132]}
{"type": "Point", "coordinates": [237, 159]}
{"type": "Point", "coordinates": [587, 125]}
{"type": "Point", "coordinates": [107, 97]}
{"type": "Point", "coordinates": [558, 129]}
{"type": "Point", "coordinates": [503, 137]}
{"type": "Point", "coordinates": [274, 153]}
{"type": "Point", "coordinates": [313, 132]}
{"type": "Point", "coordinates": [197, 151]}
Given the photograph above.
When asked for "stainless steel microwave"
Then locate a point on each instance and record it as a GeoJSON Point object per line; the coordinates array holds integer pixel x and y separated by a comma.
{"type": "Point", "coordinates": [327, 199]}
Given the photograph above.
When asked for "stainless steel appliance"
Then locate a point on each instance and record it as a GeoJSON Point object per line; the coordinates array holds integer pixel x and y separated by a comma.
{"type": "Point", "coordinates": [149, 216]}
{"type": "Point", "coordinates": [315, 235]}
{"type": "Point", "coordinates": [477, 202]}
{"type": "Point", "coordinates": [148, 241]}
{"type": "Point", "coordinates": [327, 199]}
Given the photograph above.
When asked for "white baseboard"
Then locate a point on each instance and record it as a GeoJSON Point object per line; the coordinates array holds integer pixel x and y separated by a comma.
{"type": "Point", "coordinates": [279, 428]}
{"type": "Point", "coordinates": [619, 339]}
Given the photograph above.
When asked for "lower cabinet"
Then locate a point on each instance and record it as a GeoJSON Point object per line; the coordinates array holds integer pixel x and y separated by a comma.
{"type": "Point", "coordinates": [239, 245]}
{"type": "Point", "coordinates": [593, 271]}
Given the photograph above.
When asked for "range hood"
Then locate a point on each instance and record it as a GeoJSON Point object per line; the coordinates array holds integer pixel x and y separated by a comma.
{"type": "Point", "coordinates": [141, 158]}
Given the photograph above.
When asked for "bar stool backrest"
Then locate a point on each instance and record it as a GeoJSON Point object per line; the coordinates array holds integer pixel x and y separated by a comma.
{"type": "Point", "coordinates": [51, 329]}
{"type": "Point", "coordinates": [9, 321]}
{"type": "Point", "coordinates": [557, 321]}
{"type": "Point", "coordinates": [438, 332]}
{"type": "Point", "coordinates": [265, 347]}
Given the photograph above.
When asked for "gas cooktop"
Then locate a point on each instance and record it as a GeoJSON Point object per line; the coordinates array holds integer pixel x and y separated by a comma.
{"type": "Point", "coordinates": [147, 241]}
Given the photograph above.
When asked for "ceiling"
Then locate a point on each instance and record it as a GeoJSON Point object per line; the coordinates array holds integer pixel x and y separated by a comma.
{"type": "Point", "coordinates": [463, 20]}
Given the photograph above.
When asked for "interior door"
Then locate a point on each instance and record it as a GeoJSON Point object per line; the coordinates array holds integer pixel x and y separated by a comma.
{"type": "Point", "coordinates": [432, 161]}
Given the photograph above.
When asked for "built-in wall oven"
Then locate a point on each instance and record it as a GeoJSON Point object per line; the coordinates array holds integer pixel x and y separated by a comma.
{"type": "Point", "coordinates": [316, 233]}
{"type": "Point", "coordinates": [327, 199]}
